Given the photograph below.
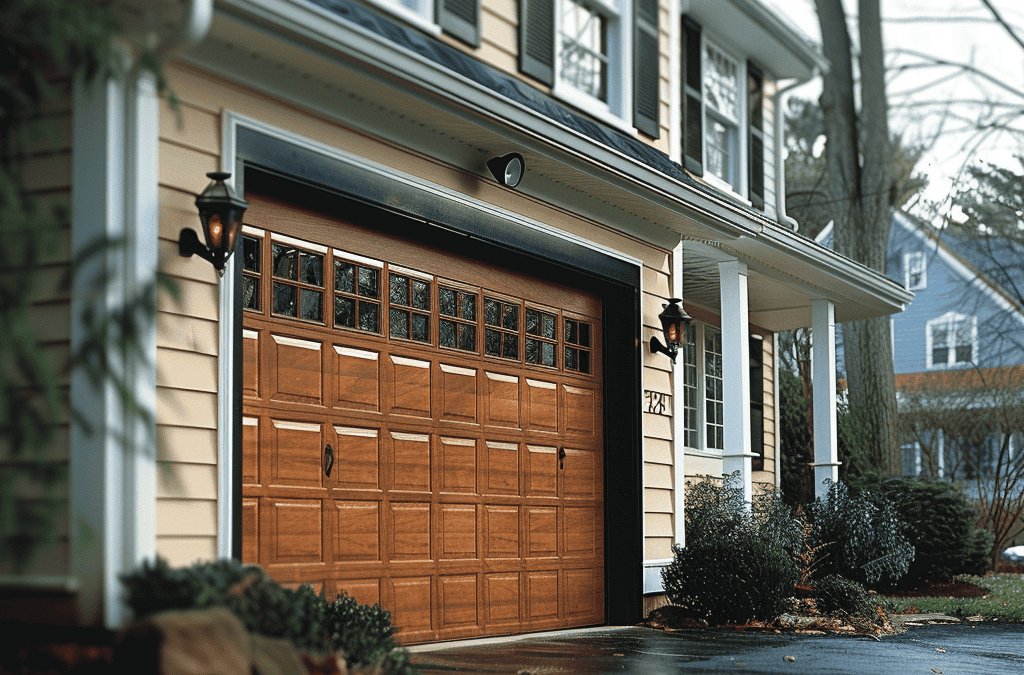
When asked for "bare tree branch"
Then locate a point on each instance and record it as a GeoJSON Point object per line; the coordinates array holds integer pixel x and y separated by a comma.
{"type": "Point", "coordinates": [1003, 23]}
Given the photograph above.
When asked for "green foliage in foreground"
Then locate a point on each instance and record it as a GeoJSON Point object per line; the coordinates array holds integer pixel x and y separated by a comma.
{"type": "Point", "coordinates": [363, 633]}
{"type": "Point", "coordinates": [1004, 602]}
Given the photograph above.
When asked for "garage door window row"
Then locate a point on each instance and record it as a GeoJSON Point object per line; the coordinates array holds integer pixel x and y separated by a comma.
{"type": "Point", "coordinates": [408, 308]}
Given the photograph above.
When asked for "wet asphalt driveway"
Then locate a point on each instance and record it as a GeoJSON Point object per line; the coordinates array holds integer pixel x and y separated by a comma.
{"type": "Point", "coordinates": [975, 650]}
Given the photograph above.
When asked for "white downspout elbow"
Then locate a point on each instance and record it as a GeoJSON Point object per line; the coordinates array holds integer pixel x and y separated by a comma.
{"type": "Point", "coordinates": [780, 97]}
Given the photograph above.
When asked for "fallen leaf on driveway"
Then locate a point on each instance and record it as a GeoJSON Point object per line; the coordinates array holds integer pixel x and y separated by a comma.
{"type": "Point", "coordinates": [940, 649]}
{"type": "Point", "coordinates": [936, 671]}
{"type": "Point", "coordinates": [791, 658]}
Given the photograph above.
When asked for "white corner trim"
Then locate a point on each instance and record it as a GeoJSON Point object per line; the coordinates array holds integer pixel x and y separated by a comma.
{"type": "Point", "coordinates": [678, 419]}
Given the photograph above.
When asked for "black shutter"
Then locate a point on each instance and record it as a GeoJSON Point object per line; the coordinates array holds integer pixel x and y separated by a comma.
{"type": "Point", "coordinates": [646, 103]}
{"type": "Point", "coordinates": [755, 139]}
{"type": "Point", "coordinates": [693, 98]}
{"type": "Point", "coordinates": [537, 39]}
{"type": "Point", "coordinates": [757, 403]}
{"type": "Point", "coordinates": [460, 19]}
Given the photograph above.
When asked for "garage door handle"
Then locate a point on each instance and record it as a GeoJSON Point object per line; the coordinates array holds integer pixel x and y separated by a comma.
{"type": "Point", "coordinates": [328, 460]}
{"type": "Point", "coordinates": [561, 458]}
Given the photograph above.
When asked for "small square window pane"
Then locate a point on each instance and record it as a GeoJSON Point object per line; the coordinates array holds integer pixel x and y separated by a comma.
{"type": "Point", "coordinates": [399, 290]}
{"type": "Point", "coordinates": [446, 332]}
{"type": "Point", "coordinates": [548, 330]}
{"type": "Point", "coordinates": [369, 282]}
{"type": "Point", "coordinates": [421, 327]}
{"type": "Point", "coordinates": [510, 317]}
{"type": "Point", "coordinates": [510, 346]}
{"type": "Point", "coordinates": [285, 262]}
{"type": "Point", "coordinates": [584, 334]}
{"type": "Point", "coordinates": [344, 312]}
{"type": "Point", "coordinates": [547, 354]}
{"type": "Point", "coordinates": [420, 294]}
{"type": "Point", "coordinates": [469, 306]}
{"type": "Point", "coordinates": [344, 277]}
{"type": "Point", "coordinates": [572, 332]}
{"type": "Point", "coordinates": [251, 253]}
{"type": "Point", "coordinates": [284, 300]}
{"type": "Point", "coordinates": [446, 302]}
{"type": "Point", "coordinates": [250, 293]}
{"type": "Point", "coordinates": [583, 362]}
{"type": "Point", "coordinates": [312, 305]}
{"type": "Point", "coordinates": [369, 317]}
{"type": "Point", "coordinates": [399, 323]}
{"type": "Point", "coordinates": [492, 342]}
{"type": "Point", "coordinates": [963, 354]}
{"type": "Point", "coordinates": [532, 324]}
{"type": "Point", "coordinates": [492, 312]}
{"type": "Point", "coordinates": [570, 358]}
{"type": "Point", "coordinates": [311, 268]}
{"type": "Point", "coordinates": [532, 347]}
{"type": "Point", "coordinates": [467, 338]}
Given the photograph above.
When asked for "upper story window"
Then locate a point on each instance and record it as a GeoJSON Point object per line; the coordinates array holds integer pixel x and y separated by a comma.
{"type": "Point", "coordinates": [952, 340]}
{"type": "Point", "coordinates": [458, 18]}
{"type": "Point", "coordinates": [583, 49]}
{"type": "Point", "coordinates": [722, 120]}
{"type": "Point", "coordinates": [915, 271]}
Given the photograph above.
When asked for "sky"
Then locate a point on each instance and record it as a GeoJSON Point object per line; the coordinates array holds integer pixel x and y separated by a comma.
{"type": "Point", "coordinates": [940, 105]}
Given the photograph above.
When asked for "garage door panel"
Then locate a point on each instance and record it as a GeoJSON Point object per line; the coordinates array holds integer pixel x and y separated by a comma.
{"type": "Point", "coordinates": [579, 532]}
{"type": "Point", "coordinates": [501, 400]}
{"type": "Point", "coordinates": [413, 602]}
{"type": "Point", "coordinates": [542, 596]}
{"type": "Point", "coordinates": [542, 406]}
{"type": "Point", "coordinates": [292, 530]}
{"type": "Point", "coordinates": [250, 451]}
{"type": "Point", "coordinates": [410, 462]}
{"type": "Point", "coordinates": [541, 532]}
{"type": "Point", "coordinates": [358, 379]}
{"type": "Point", "coordinates": [541, 471]}
{"type": "Point", "coordinates": [501, 532]}
{"type": "Point", "coordinates": [295, 451]}
{"type": "Point", "coordinates": [458, 465]}
{"type": "Point", "coordinates": [251, 363]}
{"type": "Point", "coordinates": [458, 531]}
{"type": "Point", "coordinates": [500, 468]}
{"type": "Point", "coordinates": [581, 474]}
{"type": "Point", "coordinates": [457, 391]}
{"type": "Point", "coordinates": [296, 368]}
{"type": "Point", "coordinates": [357, 458]}
{"type": "Point", "coordinates": [357, 531]}
{"type": "Point", "coordinates": [410, 390]}
{"type": "Point", "coordinates": [365, 591]}
{"type": "Point", "coordinates": [250, 531]}
{"type": "Point", "coordinates": [580, 411]}
{"type": "Point", "coordinates": [583, 590]}
{"type": "Point", "coordinates": [459, 602]}
{"type": "Point", "coordinates": [410, 531]}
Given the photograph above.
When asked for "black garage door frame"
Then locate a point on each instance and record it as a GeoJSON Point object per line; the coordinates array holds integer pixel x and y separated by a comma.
{"type": "Point", "coordinates": [283, 170]}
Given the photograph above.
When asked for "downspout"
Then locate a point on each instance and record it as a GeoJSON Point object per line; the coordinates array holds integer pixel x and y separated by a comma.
{"type": "Point", "coordinates": [780, 164]}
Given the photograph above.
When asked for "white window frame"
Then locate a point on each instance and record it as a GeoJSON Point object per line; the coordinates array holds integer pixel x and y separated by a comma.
{"type": "Point", "coordinates": [423, 17]}
{"type": "Point", "coordinates": [709, 114]}
{"type": "Point", "coordinates": [950, 320]}
{"type": "Point", "coordinates": [701, 447]}
{"type": "Point", "coordinates": [617, 110]}
{"type": "Point", "coordinates": [915, 262]}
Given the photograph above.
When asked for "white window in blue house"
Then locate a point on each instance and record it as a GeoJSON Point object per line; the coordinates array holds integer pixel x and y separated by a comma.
{"type": "Point", "coordinates": [915, 271]}
{"type": "Point", "coordinates": [952, 340]}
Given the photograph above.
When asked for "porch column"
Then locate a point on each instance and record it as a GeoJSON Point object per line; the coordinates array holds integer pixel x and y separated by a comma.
{"type": "Point", "coordinates": [823, 379]}
{"type": "Point", "coordinates": [736, 454]}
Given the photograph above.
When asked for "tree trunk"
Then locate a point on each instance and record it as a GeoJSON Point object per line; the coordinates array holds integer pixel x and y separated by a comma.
{"type": "Point", "coordinates": [860, 172]}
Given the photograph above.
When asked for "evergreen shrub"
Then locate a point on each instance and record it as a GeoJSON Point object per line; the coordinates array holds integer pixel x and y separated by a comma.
{"type": "Point", "coordinates": [363, 633]}
{"type": "Point", "coordinates": [862, 535]}
{"type": "Point", "coordinates": [838, 594]}
{"type": "Point", "coordinates": [738, 562]}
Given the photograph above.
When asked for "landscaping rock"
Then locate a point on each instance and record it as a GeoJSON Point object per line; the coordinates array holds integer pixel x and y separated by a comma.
{"type": "Point", "coordinates": [192, 642]}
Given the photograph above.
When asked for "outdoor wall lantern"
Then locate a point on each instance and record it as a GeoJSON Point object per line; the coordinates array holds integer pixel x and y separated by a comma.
{"type": "Point", "coordinates": [673, 320]}
{"type": "Point", "coordinates": [508, 170]}
{"type": "Point", "coordinates": [220, 211]}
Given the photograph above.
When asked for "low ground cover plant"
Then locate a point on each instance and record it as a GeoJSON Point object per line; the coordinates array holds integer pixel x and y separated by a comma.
{"type": "Point", "coordinates": [313, 623]}
{"type": "Point", "coordinates": [1004, 600]}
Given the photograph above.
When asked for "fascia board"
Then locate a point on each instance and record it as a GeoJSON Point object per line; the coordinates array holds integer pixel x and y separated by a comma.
{"type": "Point", "coordinates": [317, 28]}
{"type": "Point", "coordinates": [780, 29]}
{"type": "Point", "coordinates": [970, 276]}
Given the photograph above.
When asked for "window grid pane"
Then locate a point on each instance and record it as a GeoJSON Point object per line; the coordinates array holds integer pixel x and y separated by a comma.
{"type": "Point", "coordinates": [303, 298]}
{"type": "Point", "coordinates": [713, 390]}
{"type": "Point", "coordinates": [252, 273]}
{"type": "Point", "coordinates": [410, 307]}
{"type": "Point", "coordinates": [501, 335]}
{"type": "Point", "coordinates": [583, 49]}
{"type": "Point", "coordinates": [690, 389]}
{"type": "Point", "coordinates": [356, 296]}
{"type": "Point", "coordinates": [457, 328]}
{"type": "Point", "coordinates": [542, 338]}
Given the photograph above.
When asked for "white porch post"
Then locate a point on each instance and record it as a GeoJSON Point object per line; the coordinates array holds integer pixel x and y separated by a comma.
{"type": "Point", "coordinates": [678, 416]}
{"type": "Point", "coordinates": [113, 465]}
{"type": "Point", "coordinates": [736, 373]}
{"type": "Point", "coordinates": [823, 378]}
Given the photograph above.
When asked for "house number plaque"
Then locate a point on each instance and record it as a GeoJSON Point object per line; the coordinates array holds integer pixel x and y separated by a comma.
{"type": "Point", "coordinates": [657, 403]}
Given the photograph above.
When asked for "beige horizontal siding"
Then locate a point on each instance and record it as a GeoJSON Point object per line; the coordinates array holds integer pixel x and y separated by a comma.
{"type": "Point", "coordinates": [658, 525]}
{"type": "Point", "coordinates": [187, 517]}
{"type": "Point", "coordinates": [175, 407]}
{"type": "Point", "coordinates": [658, 451]}
{"type": "Point", "coordinates": [188, 370]}
{"type": "Point", "coordinates": [658, 476]}
{"type": "Point", "coordinates": [658, 500]}
{"type": "Point", "coordinates": [177, 331]}
{"type": "Point", "coordinates": [658, 548]}
{"type": "Point", "coordinates": [701, 465]}
{"type": "Point", "coordinates": [190, 127]}
{"type": "Point", "coordinates": [186, 444]}
{"type": "Point", "coordinates": [187, 481]}
{"type": "Point", "coordinates": [181, 551]}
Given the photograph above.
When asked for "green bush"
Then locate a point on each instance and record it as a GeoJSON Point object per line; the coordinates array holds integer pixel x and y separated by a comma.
{"type": "Point", "coordinates": [835, 593]}
{"type": "Point", "coordinates": [863, 536]}
{"type": "Point", "coordinates": [363, 633]}
{"type": "Point", "coordinates": [737, 564]}
{"type": "Point", "coordinates": [940, 524]}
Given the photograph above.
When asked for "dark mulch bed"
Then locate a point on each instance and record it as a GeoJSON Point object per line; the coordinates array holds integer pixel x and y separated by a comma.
{"type": "Point", "coordinates": [950, 589]}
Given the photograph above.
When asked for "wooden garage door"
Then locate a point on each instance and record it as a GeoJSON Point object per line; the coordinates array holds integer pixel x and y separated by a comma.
{"type": "Point", "coordinates": [421, 429]}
